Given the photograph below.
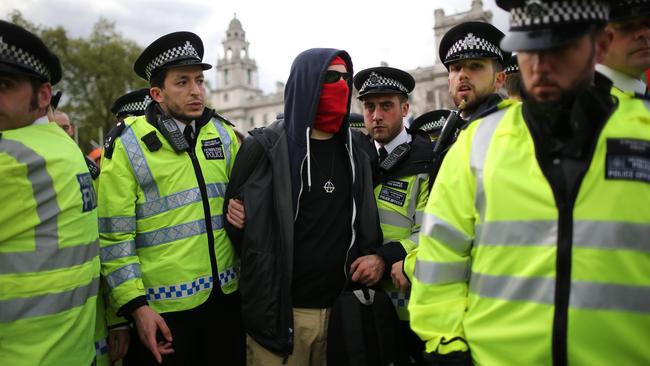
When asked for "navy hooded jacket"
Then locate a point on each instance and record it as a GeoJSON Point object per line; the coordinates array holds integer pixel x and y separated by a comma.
{"type": "Point", "coordinates": [301, 98]}
{"type": "Point", "coordinates": [266, 177]}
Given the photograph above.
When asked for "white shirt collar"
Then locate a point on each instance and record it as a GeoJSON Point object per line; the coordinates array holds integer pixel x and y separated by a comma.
{"type": "Point", "coordinates": [42, 120]}
{"type": "Point", "coordinates": [181, 126]}
{"type": "Point", "coordinates": [622, 81]}
{"type": "Point", "coordinates": [401, 138]}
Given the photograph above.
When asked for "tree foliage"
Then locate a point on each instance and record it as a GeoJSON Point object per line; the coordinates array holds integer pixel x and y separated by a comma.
{"type": "Point", "coordinates": [96, 70]}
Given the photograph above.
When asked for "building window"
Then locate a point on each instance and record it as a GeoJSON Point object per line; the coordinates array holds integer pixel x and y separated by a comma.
{"type": "Point", "coordinates": [228, 54]}
{"type": "Point", "coordinates": [252, 120]}
{"type": "Point", "coordinates": [266, 119]}
{"type": "Point", "coordinates": [250, 76]}
{"type": "Point", "coordinates": [225, 97]}
{"type": "Point", "coordinates": [225, 77]}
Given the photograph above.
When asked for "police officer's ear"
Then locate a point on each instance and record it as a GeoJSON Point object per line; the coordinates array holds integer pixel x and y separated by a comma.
{"type": "Point", "coordinates": [156, 94]}
{"type": "Point", "coordinates": [404, 105]}
{"type": "Point", "coordinates": [603, 38]}
{"type": "Point", "coordinates": [43, 93]}
{"type": "Point", "coordinates": [499, 75]}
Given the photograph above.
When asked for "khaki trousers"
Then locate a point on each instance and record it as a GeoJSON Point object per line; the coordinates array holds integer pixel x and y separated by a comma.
{"type": "Point", "coordinates": [309, 341]}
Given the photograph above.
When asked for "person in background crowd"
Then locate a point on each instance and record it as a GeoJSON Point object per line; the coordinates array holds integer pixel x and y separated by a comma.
{"type": "Point", "coordinates": [629, 53]}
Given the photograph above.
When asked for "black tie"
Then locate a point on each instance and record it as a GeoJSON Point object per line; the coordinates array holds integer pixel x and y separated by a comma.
{"type": "Point", "coordinates": [188, 132]}
{"type": "Point", "coordinates": [382, 154]}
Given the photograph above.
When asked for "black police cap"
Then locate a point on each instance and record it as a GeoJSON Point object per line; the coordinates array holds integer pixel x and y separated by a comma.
{"type": "Point", "coordinates": [383, 80]}
{"type": "Point", "coordinates": [356, 120]}
{"type": "Point", "coordinates": [171, 50]}
{"type": "Point", "coordinates": [22, 52]}
{"type": "Point", "coordinates": [512, 66]}
{"type": "Point", "coordinates": [431, 122]}
{"type": "Point", "coordinates": [472, 40]}
{"type": "Point", "coordinates": [545, 24]}
{"type": "Point", "coordinates": [133, 103]}
{"type": "Point", "coordinates": [623, 9]}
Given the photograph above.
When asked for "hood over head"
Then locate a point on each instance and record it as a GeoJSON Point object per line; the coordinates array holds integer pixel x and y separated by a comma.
{"type": "Point", "coordinates": [301, 100]}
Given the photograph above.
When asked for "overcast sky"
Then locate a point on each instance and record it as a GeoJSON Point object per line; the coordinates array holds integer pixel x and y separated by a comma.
{"type": "Point", "coordinates": [399, 32]}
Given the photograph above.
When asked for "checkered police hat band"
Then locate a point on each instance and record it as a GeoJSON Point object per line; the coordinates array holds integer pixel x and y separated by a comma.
{"type": "Point", "coordinates": [511, 69]}
{"type": "Point", "coordinates": [376, 81]}
{"type": "Point", "coordinates": [135, 106]}
{"type": "Point", "coordinates": [184, 51]}
{"type": "Point", "coordinates": [473, 43]}
{"type": "Point", "coordinates": [15, 54]}
{"type": "Point", "coordinates": [541, 13]}
{"type": "Point", "coordinates": [434, 125]}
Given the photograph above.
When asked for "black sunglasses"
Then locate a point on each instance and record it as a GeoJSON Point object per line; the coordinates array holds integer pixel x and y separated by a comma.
{"type": "Point", "coordinates": [332, 76]}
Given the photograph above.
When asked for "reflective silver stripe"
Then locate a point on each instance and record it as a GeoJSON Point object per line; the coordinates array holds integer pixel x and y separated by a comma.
{"type": "Point", "coordinates": [393, 218]}
{"type": "Point", "coordinates": [419, 215]}
{"type": "Point", "coordinates": [117, 224]}
{"type": "Point", "coordinates": [612, 235]}
{"type": "Point", "coordinates": [52, 303]}
{"type": "Point", "coordinates": [586, 234]}
{"type": "Point", "coordinates": [440, 273]}
{"type": "Point", "coordinates": [225, 139]}
{"type": "Point", "coordinates": [517, 233]}
{"type": "Point", "coordinates": [445, 233]}
{"type": "Point", "coordinates": [601, 296]}
{"type": "Point", "coordinates": [534, 289]}
{"type": "Point", "coordinates": [480, 146]}
{"type": "Point", "coordinates": [415, 237]}
{"type": "Point", "coordinates": [190, 288]}
{"type": "Point", "coordinates": [177, 200]}
{"type": "Point", "coordinates": [584, 295]}
{"type": "Point", "coordinates": [173, 233]}
{"type": "Point", "coordinates": [139, 164]}
{"type": "Point", "coordinates": [46, 259]}
{"type": "Point", "coordinates": [123, 274]}
{"type": "Point", "coordinates": [47, 255]}
{"type": "Point", "coordinates": [119, 250]}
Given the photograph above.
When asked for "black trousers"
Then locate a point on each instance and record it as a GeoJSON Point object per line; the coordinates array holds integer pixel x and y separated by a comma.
{"type": "Point", "coordinates": [210, 334]}
{"type": "Point", "coordinates": [412, 343]}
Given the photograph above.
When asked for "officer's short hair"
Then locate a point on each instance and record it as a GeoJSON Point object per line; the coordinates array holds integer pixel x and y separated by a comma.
{"type": "Point", "coordinates": [513, 84]}
{"type": "Point", "coordinates": [158, 79]}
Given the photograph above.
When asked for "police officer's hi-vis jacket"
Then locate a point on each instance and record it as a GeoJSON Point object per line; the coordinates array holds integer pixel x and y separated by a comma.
{"type": "Point", "coordinates": [160, 217]}
{"type": "Point", "coordinates": [522, 273]}
{"type": "Point", "coordinates": [49, 254]}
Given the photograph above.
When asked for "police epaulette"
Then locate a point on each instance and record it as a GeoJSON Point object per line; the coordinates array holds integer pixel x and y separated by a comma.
{"type": "Point", "coordinates": [224, 119]}
{"type": "Point", "coordinates": [109, 141]}
{"type": "Point", "coordinates": [92, 168]}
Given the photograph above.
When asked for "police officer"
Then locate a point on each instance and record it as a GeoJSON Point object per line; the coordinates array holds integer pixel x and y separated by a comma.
{"type": "Point", "coordinates": [49, 262]}
{"type": "Point", "coordinates": [401, 178]}
{"type": "Point", "coordinates": [431, 122]}
{"type": "Point", "coordinates": [534, 242]}
{"type": "Point", "coordinates": [167, 261]}
{"type": "Point", "coordinates": [629, 54]}
{"type": "Point", "coordinates": [513, 79]}
{"type": "Point", "coordinates": [131, 104]}
{"type": "Point", "coordinates": [475, 62]}
{"type": "Point", "coordinates": [470, 51]}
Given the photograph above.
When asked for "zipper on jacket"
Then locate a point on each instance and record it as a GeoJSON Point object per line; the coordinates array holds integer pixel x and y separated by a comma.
{"type": "Point", "coordinates": [208, 217]}
{"type": "Point", "coordinates": [354, 209]}
{"type": "Point", "coordinates": [565, 204]}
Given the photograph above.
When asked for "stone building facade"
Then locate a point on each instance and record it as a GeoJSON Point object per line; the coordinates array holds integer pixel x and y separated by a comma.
{"type": "Point", "coordinates": [239, 98]}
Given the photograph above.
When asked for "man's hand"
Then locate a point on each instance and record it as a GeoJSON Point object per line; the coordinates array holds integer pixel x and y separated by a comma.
{"type": "Point", "coordinates": [399, 280]}
{"type": "Point", "coordinates": [236, 215]}
{"type": "Point", "coordinates": [368, 269]}
{"type": "Point", "coordinates": [118, 343]}
{"type": "Point", "coordinates": [148, 322]}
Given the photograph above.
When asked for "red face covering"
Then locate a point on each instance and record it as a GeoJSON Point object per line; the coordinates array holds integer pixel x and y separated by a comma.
{"type": "Point", "coordinates": [333, 104]}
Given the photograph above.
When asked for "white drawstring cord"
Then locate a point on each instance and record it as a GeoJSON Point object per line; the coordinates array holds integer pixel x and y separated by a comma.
{"type": "Point", "coordinates": [308, 163]}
